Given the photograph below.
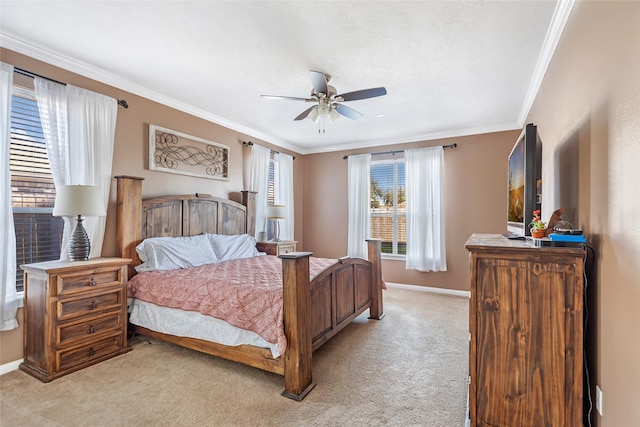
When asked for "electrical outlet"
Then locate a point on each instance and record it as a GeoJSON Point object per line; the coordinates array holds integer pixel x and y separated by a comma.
{"type": "Point", "coordinates": [599, 400]}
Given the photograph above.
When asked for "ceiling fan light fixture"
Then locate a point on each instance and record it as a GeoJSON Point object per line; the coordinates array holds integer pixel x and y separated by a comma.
{"type": "Point", "coordinates": [334, 115]}
{"type": "Point", "coordinates": [314, 116]}
{"type": "Point", "coordinates": [323, 110]}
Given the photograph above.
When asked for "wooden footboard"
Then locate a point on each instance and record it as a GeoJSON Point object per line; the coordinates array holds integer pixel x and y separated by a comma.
{"type": "Point", "coordinates": [341, 293]}
{"type": "Point", "coordinates": [313, 312]}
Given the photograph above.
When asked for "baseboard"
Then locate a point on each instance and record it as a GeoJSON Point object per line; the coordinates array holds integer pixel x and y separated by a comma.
{"type": "Point", "coordinates": [453, 292]}
{"type": "Point", "coordinates": [11, 366]}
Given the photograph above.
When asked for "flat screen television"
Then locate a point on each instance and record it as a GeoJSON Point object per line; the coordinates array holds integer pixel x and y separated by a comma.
{"type": "Point", "coordinates": [524, 181]}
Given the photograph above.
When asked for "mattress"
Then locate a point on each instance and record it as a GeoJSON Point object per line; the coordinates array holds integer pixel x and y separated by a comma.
{"type": "Point", "coordinates": [192, 324]}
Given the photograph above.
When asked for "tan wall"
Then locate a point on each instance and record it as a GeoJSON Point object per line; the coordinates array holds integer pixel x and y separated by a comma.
{"type": "Point", "coordinates": [131, 158]}
{"type": "Point", "coordinates": [590, 99]}
{"type": "Point", "coordinates": [475, 187]}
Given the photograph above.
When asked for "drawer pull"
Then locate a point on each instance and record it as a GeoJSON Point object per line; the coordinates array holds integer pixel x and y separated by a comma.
{"type": "Point", "coordinates": [92, 282]}
{"type": "Point", "coordinates": [91, 352]}
{"type": "Point", "coordinates": [93, 305]}
{"type": "Point", "coordinates": [92, 330]}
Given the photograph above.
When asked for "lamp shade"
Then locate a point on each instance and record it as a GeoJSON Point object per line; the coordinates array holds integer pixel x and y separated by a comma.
{"type": "Point", "coordinates": [276, 212]}
{"type": "Point", "coordinates": [73, 200]}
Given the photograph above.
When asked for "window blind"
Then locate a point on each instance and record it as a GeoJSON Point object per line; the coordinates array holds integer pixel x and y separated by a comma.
{"type": "Point", "coordinates": [271, 194]}
{"type": "Point", "coordinates": [38, 233]}
{"type": "Point", "coordinates": [388, 205]}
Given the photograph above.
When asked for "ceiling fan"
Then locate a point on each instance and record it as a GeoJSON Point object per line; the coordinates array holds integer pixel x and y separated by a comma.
{"type": "Point", "coordinates": [328, 103]}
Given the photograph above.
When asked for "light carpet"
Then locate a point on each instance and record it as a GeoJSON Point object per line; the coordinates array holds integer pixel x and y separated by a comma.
{"type": "Point", "coordinates": [408, 369]}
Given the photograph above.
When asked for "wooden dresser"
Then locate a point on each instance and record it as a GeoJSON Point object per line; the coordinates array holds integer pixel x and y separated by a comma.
{"type": "Point", "coordinates": [75, 315]}
{"type": "Point", "coordinates": [277, 248]}
{"type": "Point", "coordinates": [526, 325]}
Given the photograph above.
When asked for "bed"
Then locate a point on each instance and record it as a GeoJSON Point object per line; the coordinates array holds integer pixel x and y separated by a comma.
{"type": "Point", "coordinates": [313, 311]}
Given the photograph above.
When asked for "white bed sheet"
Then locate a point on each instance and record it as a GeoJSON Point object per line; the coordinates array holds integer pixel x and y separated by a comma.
{"type": "Point", "coordinates": [193, 325]}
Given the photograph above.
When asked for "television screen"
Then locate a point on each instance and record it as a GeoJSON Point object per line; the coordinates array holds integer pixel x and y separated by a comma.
{"type": "Point", "coordinates": [524, 181]}
{"type": "Point", "coordinates": [516, 183]}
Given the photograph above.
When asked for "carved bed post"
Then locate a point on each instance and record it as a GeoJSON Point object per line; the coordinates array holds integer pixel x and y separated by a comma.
{"type": "Point", "coordinates": [249, 200]}
{"type": "Point", "coordinates": [375, 258]}
{"type": "Point", "coordinates": [298, 380]}
{"type": "Point", "coordinates": [129, 218]}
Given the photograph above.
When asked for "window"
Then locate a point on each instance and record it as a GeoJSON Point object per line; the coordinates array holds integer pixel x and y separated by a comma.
{"type": "Point", "coordinates": [271, 191]}
{"type": "Point", "coordinates": [38, 233]}
{"type": "Point", "coordinates": [389, 206]}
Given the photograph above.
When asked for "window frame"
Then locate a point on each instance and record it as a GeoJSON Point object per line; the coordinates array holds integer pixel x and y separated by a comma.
{"type": "Point", "coordinates": [394, 214]}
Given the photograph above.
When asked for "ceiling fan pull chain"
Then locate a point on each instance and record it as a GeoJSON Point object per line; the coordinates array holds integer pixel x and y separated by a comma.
{"type": "Point", "coordinates": [321, 127]}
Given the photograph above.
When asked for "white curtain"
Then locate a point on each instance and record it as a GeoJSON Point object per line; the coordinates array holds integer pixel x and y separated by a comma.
{"type": "Point", "coordinates": [426, 249]}
{"type": "Point", "coordinates": [79, 129]}
{"type": "Point", "coordinates": [285, 194]}
{"type": "Point", "coordinates": [9, 301]}
{"type": "Point", "coordinates": [259, 182]}
{"type": "Point", "coordinates": [359, 182]}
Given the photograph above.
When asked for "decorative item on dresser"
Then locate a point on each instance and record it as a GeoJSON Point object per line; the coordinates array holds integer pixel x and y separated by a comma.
{"type": "Point", "coordinates": [276, 248]}
{"type": "Point", "coordinates": [526, 326]}
{"type": "Point", "coordinates": [75, 315]}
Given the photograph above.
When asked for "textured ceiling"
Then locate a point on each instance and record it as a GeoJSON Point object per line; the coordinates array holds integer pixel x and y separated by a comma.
{"type": "Point", "coordinates": [450, 67]}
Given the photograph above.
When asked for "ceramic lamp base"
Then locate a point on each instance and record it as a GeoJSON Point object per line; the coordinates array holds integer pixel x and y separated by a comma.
{"type": "Point", "coordinates": [276, 231]}
{"type": "Point", "coordinates": [79, 245]}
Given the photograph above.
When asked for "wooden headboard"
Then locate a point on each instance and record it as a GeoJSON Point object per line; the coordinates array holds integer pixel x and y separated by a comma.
{"type": "Point", "coordinates": [175, 216]}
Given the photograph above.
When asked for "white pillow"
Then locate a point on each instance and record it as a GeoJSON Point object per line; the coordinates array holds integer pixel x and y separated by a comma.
{"type": "Point", "coordinates": [169, 253]}
{"type": "Point", "coordinates": [234, 246]}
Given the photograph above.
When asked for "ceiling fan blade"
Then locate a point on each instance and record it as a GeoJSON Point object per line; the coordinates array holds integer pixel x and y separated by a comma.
{"type": "Point", "coordinates": [289, 98]}
{"type": "Point", "coordinates": [348, 112]}
{"type": "Point", "coordinates": [363, 94]}
{"type": "Point", "coordinates": [319, 82]}
{"type": "Point", "coordinates": [305, 113]}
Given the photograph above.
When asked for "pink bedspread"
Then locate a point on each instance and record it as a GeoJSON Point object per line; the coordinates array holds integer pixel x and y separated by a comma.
{"type": "Point", "coordinates": [246, 293]}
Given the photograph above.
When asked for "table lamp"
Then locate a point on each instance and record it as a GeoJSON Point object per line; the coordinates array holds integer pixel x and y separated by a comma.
{"type": "Point", "coordinates": [274, 213]}
{"type": "Point", "coordinates": [79, 201]}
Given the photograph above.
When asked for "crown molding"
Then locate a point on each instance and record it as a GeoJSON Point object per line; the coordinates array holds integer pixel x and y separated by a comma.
{"type": "Point", "coordinates": [453, 133]}
{"type": "Point", "coordinates": [9, 41]}
{"type": "Point", "coordinates": [554, 32]}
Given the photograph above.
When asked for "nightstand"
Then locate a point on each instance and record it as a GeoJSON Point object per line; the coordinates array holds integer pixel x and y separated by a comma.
{"type": "Point", "coordinates": [276, 248]}
{"type": "Point", "coordinates": [75, 315]}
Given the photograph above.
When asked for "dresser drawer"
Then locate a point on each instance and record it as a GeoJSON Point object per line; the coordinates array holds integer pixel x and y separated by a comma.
{"type": "Point", "coordinates": [88, 280]}
{"type": "Point", "coordinates": [66, 359]}
{"type": "Point", "coordinates": [70, 332]}
{"type": "Point", "coordinates": [276, 248]}
{"type": "Point", "coordinates": [286, 248]}
{"type": "Point", "coordinates": [73, 308]}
